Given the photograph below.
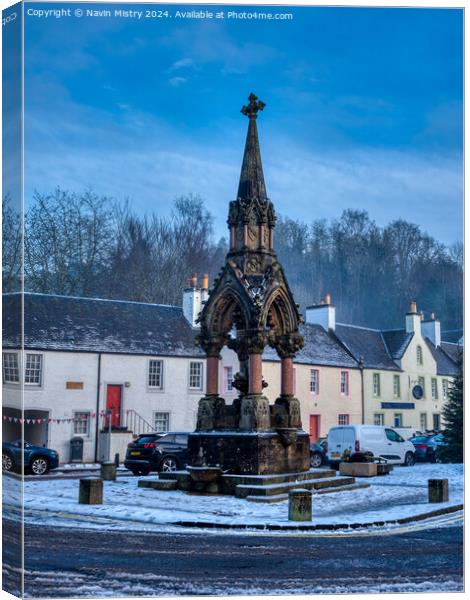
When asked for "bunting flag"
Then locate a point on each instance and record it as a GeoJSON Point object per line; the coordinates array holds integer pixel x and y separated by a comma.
{"type": "Point", "coordinates": [49, 420]}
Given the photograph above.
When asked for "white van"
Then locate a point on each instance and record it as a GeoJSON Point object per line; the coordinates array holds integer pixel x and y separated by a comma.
{"type": "Point", "coordinates": [382, 441]}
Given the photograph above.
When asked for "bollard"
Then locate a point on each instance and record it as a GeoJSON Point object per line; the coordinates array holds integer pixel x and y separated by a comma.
{"type": "Point", "coordinates": [90, 491]}
{"type": "Point", "coordinates": [108, 471]}
{"type": "Point", "coordinates": [300, 505]}
{"type": "Point", "coordinates": [438, 490]}
{"type": "Point", "coordinates": [116, 459]}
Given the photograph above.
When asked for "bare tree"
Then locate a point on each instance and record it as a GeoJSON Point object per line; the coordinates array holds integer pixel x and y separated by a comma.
{"type": "Point", "coordinates": [12, 246]}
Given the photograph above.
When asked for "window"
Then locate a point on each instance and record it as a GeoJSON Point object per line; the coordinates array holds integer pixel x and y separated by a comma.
{"type": "Point", "coordinates": [397, 420]}
{"type": "Point", "coordinates": [396, 386]}
{"type": "Point", "coordinates": [445, 389]}
{"type": "Point", "coordinates": [81, 423]}
{"type": "Point", "coordinates": [423, 421]}
{"type": "Point", "coordinates": [344, 383]}
{"type": "Point", "coordinates": [161, 421]}
{"type": "Point", "coordinates": [228, 379]}
{"type": "Point", "coordinates": [32, 373]}
{"type": "Point", "coordinates": [195, 375]}
{"type": "Point", "coordinates": [379, 419]}
{"type": "Point", "coordinates": [436, 422]}
{"type": "Point", "coordinates": [343, 419]}
{"type": "Point", "coordinates": [376, 384]}
{"type": "Point", "coordinates": [421, 382]}
{"type": "Point", "coordinates": [314, 381]}
{"type": "Point", "coordinates": [419, 355]}
{"type": "Point", "coordinates": [393, 436]}
{"type": "Point", "coordinates": [434, 392]}
{"type": "Point", "coordinates": [11, 372]}
{"type": "Point", "coordinates": [156, 374]}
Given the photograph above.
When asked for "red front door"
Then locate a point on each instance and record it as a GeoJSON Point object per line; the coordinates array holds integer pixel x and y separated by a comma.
{"type": "Point", "coordinates": [314, 428]}
{"type": "Point", "coordinates": [113, 403]}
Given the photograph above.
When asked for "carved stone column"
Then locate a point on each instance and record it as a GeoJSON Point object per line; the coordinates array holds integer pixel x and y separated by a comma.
{"type": "Point", "coordinates": [212, 376]}
{"type": "Point", "coordinates": [287, 376]}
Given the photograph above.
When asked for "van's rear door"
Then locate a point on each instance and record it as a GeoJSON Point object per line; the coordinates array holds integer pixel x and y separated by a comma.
{"type": "Point", "coordinates": [339, 440]}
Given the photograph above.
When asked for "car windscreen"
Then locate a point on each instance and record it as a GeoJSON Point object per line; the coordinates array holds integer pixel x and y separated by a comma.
{"type": "Point", "coordinates": [148, 439]}
{"type": "Point", "coordinates": [420, 439]}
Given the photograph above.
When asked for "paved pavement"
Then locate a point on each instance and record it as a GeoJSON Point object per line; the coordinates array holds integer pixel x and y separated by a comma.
{"type": "Point", "coordinates": [80, 562]}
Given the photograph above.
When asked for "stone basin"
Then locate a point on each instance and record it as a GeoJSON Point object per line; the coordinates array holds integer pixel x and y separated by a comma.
{"type": "Point", "coordinates": [205, 474]}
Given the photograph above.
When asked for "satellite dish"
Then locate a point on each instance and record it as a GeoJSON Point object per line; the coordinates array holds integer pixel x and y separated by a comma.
{"type": "Point", "coordinates": [417, 392]}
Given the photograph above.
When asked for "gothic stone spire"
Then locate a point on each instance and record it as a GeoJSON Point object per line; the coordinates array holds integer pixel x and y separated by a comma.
{"type": "Point", "coordinates": [251, 216]}
{"type": "Point", "coordinates": [251, 184]}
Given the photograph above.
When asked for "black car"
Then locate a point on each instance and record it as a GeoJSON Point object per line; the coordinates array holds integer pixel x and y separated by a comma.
{"type": "Point", "coordinates": [317, 455]}
{"type": "Point", "coordinates": [157, 452]}
{"type": "Point", "coordinates": [427, 446]}
{"type": "Point", "coordinates": [37, 459]}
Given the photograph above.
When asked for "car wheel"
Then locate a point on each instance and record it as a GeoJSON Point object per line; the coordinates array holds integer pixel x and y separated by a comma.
{"type": "Point", "coordinates": [7, 462]}
{"type": "Point", "coordinates": [169, 464]}
{"type": "Point", "coordinates": [409, 459]}
{"type": "Point", "coordinates": [39, 465]}
{"type": "Point", "coordinates": [316, 460]}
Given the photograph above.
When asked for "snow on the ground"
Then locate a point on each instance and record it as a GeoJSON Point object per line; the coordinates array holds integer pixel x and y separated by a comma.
{"type": "Point", "coordinates": [403, 493]}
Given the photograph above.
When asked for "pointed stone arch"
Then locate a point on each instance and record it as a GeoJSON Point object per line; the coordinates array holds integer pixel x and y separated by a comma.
{"type": "Point", "coordinates": [280, 315]}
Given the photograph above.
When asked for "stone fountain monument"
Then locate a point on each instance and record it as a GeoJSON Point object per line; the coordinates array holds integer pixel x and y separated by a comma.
{"type": "Point", "coordinates": [250, 307]}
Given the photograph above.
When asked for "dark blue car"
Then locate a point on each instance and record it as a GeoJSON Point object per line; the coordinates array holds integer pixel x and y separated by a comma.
{"type": "Point", "coordinates": [37, 460]}
{"type": "Point", "coordinates": [427, 446]}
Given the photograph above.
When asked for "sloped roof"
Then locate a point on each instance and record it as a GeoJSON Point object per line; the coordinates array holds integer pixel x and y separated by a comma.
{"type": "Point", "coordinates": [444, 364]}
{"type": "Point", "coordinates": [397, 341]}
{"type": "Point", "coordinates": [452, 336]}
{"type": "Point", "coordinates": [454, 351]}
{"type": "Point", "coordinates": [321, 348]}
{"type": "Point", "coordinates": [94, 325]}
{"type": "Point", "coordinates": [368, 343]}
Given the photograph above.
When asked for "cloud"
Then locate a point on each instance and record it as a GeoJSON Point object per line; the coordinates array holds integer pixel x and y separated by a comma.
{"type": "Point", "coordinates": [177, 81]}
{"type": "Point", "coordinates": [133, 154]}
{"type": "Point", "coordinates": [183, 63]}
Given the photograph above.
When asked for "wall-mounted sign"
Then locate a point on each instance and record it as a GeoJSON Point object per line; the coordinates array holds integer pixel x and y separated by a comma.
{"type": "Point", "coordinates": [74, 385]}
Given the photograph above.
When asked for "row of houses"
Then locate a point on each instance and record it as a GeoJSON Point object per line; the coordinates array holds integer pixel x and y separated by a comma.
{"type": "Point", "coordinates": [93, 365]}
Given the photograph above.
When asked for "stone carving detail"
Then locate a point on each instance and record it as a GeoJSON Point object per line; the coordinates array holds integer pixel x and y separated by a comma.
{"type": "Point", "coordinates": [255, 414]}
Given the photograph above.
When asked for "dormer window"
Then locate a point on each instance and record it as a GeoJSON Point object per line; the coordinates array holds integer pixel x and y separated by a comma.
{"type": "Point", "coordinates": [419, 355]}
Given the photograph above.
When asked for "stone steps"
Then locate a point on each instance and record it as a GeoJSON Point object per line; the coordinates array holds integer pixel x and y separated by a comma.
{"type": "Point", "coordinates": [243, 490]}
{"type": "Point", "coordinates": [330, 490]}
{"type": "Point", "coordinates": [279, 477]}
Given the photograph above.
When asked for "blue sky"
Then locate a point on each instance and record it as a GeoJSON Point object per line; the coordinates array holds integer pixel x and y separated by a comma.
{"type": "Point", "coordinates": [364, 110]}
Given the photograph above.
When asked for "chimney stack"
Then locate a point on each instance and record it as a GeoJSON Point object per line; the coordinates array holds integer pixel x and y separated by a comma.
{"type": "Point", "coordinates": [432, 330]}
{"type": "Point", "coordinates": [192, 300]}
{"type": "Point", "coordinates": [413, 319]}
{"type": "Point", "coordinates": [323, 313]}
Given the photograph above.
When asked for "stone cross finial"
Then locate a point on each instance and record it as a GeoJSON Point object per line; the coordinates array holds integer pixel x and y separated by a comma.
{"type": "Point", "coordinates": [253, 106]}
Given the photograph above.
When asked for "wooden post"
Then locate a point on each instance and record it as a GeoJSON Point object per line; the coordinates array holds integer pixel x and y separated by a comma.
{"type": "Point", "coordinates": [90, 491]}
{"type": "Point", "coordinates": [438, 490]}
{"type": "Point", "coordinates": [108, 471]}
{"type": "Point", "coordinates": [300, 505]}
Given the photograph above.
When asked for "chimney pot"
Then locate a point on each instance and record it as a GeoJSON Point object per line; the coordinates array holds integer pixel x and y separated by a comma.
{"type": "Point", "coordinates": [205, 282]}
{"type": "Point", "coordinates": [421, 315]}
{"type": "Point", "coordinates": [433, 316]}
{"type": "Point", "coordinates": [194, 280]}
{"type": "Point", "coordinates": [413, 308]}
{"type": "Point", "coordinates": [327, 298]}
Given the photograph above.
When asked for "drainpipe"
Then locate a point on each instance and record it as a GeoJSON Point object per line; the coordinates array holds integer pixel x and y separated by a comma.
{"type": "Point", "coordinates": [98, 387]}
{"type": "Point", "coordinates": [361, 369]}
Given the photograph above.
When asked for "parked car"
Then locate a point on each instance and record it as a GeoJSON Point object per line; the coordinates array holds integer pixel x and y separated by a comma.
{"type": "Point", "coordinates": [381, 441]}
{"type": "Point", "coordinates": [157, 452]}
{"type": "Point", "coordinates": [36, 459]}
{"type": "Point", "coordinates": [427, 446]}
{"type": "Point", "coordinates": [317, 455]}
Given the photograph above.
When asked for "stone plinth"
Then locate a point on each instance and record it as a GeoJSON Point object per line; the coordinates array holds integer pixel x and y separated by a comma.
{"type": "Point", "coordinates": [438, 490]}
{"type": "Point", "coordinates": [108, 471]}
{"type": "Point", "coordinates": [358, 469]}
{"type": "Point", "coordinates": [300, 505]}
{"type": "Point", "coordinates": [91, 491]}
{"type": "Point", "coordinates": [256, 453]}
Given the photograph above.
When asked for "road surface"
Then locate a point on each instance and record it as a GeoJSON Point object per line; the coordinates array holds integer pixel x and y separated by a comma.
{"type": "Point", "coordinates": [82, 562]}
